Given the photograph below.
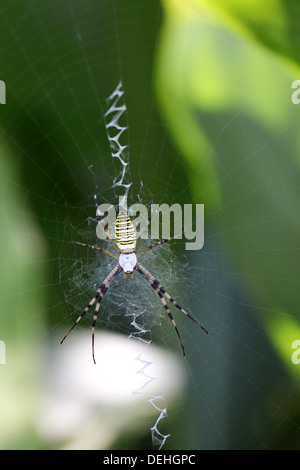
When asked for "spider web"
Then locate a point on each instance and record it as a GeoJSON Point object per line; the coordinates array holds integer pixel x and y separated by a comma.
{"type": "Point", "coordinates": [132, 302]}
{"type": "Point", "coordinates": [71, 130]}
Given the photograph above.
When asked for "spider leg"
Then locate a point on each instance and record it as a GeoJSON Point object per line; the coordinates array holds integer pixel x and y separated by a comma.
{"type": "Point", "coordinates": [98, 296]}
{"type": "Point", "coordinates": [171, 317]}
{"type": "Point", "coordinates": [95, 317]}
{"type": "Point", "coordinates": [165, 240]}
{"type": "Point", "coordinates": [100, 216]}
{"type": "Point", "coordinates": [93, 247]}
{"type": "Point", "coordinates": [154, 283]}
{"type": "Point", "coordinates": [147, 228]}
{"type": "Point", "coordinates": [151, 280]}
{"type": "Point", "coordinates": [82, 314]}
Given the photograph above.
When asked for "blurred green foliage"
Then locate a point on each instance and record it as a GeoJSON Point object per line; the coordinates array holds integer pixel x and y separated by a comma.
{"type": "Point", "coordinates": [23, 280]}
{"type": "Point", "coordinates": [229, 107]}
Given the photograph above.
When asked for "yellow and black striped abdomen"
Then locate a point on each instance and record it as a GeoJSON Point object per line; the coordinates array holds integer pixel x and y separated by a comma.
{"type": "Point", "coordinates": [125, 234]}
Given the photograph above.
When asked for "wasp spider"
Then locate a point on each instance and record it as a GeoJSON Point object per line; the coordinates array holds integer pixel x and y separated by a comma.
{"type": "Point", "coordinates": [126, 247]}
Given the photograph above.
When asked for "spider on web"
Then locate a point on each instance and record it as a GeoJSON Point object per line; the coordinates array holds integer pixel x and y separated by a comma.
{"type": "Point", "coordinates": [127, 257]}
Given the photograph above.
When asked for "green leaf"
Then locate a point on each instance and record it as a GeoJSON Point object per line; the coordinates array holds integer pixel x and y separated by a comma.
{"type": "Point", "coordinates": [21, 319]}
{"type": "Point", "coordinates": [224, 76]}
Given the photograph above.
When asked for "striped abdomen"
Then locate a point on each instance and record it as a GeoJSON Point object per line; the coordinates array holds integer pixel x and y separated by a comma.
{"type": "Point", "coordinates": [125, 234]}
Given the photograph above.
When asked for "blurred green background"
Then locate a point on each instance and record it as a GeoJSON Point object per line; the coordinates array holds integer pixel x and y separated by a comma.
{"type": "Point", "coordinates": [210, 119]}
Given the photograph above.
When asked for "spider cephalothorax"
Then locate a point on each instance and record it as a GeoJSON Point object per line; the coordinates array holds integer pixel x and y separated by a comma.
{"type": "Point", "coordinates": [126, 247]}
